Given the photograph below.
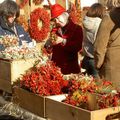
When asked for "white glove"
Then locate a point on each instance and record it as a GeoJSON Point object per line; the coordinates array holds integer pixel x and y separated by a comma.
{"type": "Point", "coordinates": [32, 44]}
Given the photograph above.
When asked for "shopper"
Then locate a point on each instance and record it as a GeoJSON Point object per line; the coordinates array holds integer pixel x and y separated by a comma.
{"type": "Point", "coordinates": [9, 12]}
{"type": "Point", "coordinates": [107, 45]}
{"type": "Point", "coordinates": [91, 24]}
{"type": "Point", "coordinates": [68, 42]}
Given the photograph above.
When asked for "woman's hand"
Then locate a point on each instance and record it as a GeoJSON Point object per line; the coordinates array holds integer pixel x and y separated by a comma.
{"type": "Point", "coordinates": [60, 40]}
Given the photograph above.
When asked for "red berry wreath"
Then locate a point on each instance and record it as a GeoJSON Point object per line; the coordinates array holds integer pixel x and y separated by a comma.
{"type": "Point", "coordinates": [36, 32]}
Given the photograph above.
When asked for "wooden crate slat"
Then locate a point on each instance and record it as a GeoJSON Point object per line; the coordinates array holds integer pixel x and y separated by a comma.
{"type": "Point", "coordinates": [29, 101]}
{"type": "Point", "coordinates": [57, 110]}
{"type": "Point", "coordinates": [11, 70]}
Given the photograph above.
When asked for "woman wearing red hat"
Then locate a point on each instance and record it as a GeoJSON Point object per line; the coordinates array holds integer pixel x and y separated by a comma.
{"type": "Point", "coordinates": [68, 43]}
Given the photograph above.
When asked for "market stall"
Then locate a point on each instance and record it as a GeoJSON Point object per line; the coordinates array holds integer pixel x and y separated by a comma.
{"type": "Point", "coordinates": [38, 85]}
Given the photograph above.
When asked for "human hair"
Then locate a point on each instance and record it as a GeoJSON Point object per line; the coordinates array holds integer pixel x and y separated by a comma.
{"type": "Point", "coordinates": [9, 8]}
{"type": "Point", "coordinates": [112, 3]}
{"type": "Point", "coordinates": [96, 10]}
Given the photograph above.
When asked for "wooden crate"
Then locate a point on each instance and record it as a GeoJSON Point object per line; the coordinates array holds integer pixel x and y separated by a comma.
{"type": "Point", "coordinates": [63, 111]}
{"type": "Point", "coordinates": [29, 101]}
{"type": "Point", "coordinates": [11, 70]}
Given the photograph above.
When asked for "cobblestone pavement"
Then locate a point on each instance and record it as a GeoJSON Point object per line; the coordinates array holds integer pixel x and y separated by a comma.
{"type": "Point", "coordinates": [8, 108]}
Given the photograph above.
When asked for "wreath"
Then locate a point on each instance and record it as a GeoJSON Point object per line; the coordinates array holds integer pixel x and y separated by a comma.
{"type": "Point", "coordinates": [23, 3]}
{"type": "Point", "coordinates": [36, 32]}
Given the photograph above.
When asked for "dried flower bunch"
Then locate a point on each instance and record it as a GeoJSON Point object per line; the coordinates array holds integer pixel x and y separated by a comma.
{"type": "Point", "coordinates": [15, 53]}
{"type": "Point", "coordinates": [37, 2]}
{"type": "Point", "coordinates": [23, 3]}
{"type": "Point", "coordinates": [111, 99]}
{"type": "Point", "coordinates": [75, 13]}
{"type": "Point", "coordinates": [9, 41]}
{"type": "Point", "coordinates": [106, 94]}
{"type": "Point", "coordinates": [23, 21]}
{"type": "Point", "coordinates": [44, 79]}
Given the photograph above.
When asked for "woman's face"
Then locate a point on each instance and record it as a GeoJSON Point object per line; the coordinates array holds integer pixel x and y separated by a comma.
{"type": "Point", "coordinates": [61, 20]}
{"type": "Point", "coordinates": [11, 19]}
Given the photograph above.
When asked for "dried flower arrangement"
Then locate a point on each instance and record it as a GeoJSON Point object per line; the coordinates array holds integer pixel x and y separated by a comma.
{"type": "Point", "coordinates": [37, 2]}
{"type": "Point", "coordinates": [14, 53]}
{"type": "Point", "coordinates": [106, 94]}
{"type": "Point", "coordinates": [23, 3]}
{"type": "Point", "coordinates": [8, 41]}
{"type": "Point", "coordinates": [10, 49]}
{"type": "Point", "coordinates": [36, 32]}
{"type": "Point", "coordinates": [23, 21]}
{"type": "Point", "coordinates": [44, 79]}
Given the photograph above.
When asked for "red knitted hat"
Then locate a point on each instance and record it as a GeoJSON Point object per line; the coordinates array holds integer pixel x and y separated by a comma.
{"type": "Point", "coordinates": [56, 10]}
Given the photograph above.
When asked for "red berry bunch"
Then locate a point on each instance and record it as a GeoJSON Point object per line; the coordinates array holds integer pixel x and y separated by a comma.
{"type": "Point", "coordinates": [45, 79]}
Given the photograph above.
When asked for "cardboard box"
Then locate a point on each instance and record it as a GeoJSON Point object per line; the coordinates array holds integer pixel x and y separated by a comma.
{"type": "Point", "coordinates": [11, 70]}
{"type": "Point", "coordinates": [57, 110]}
{"type": "Point", "coordinates": [29, 101]}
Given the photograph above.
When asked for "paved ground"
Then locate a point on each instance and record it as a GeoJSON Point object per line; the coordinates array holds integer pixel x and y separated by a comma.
{"type": "Point", "coordinates": [8, 108]}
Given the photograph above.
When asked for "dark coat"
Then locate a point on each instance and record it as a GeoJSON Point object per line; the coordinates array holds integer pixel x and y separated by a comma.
{"type": "Point", "coordinates": [107, 47]}
{"type": "Point", "coordinates": [66, 56]}
{"type": "Point", "coordinates": [21, 34]}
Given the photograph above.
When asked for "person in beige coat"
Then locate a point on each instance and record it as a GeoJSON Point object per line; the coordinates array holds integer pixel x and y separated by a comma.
{"type": "Point", "coordinates": [91, 24]}
{"type": "Point", "coordinates": [107, 45]}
